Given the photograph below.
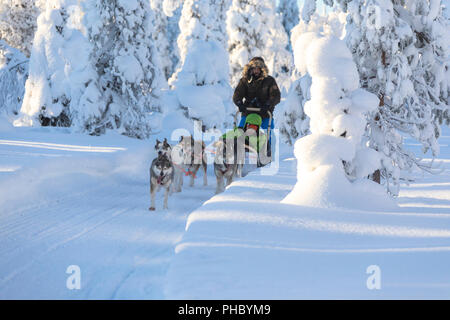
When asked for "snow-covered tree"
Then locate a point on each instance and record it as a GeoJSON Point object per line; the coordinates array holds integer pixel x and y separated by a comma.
{"type": "Point", "coordinates": [94, 67]}
{"type": "Point", "coordinates": [331, 24]}
{"type": "Point", "coordinates": [161, 37]}
{"type": "Point", "coordinates": [202, 87]}
{"type": "Point", "coordinates": [201, 83]}
{"type": "Point", "coordinates": [308, 9]}
{"type": "Point", "coordinates": [202, 20]}
{"type": "Point", "coordinates": [333, 161]}
{"type": "Point", "coordinates": [430, 63]}
{"type": "Point", "coordinates": [288, 9]}
{"type": "Point", "coordinates": [170, 6]}
{"type": "Point", "coordinates": [386, 41]}
{"type": "Point", "coordinates": [255, 29]}
{"type": "Point", "coordinates": [59, 69]}
{"type": "Point", "coordinates": [18, 22]}
{"type": "Point", "coordinates": [173, 31]}
{"type": "Point", "coordinates": [13, 74]}
{"type": "Point", "coordinates": [290, 116]}
{"type": "Point", "coordinates": [128, 67]}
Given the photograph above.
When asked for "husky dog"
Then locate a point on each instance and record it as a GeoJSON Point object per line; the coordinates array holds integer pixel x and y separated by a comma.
{"type": "Point", "coordinates": [177, 157]}
{"type": "Point", "coordinates": [226, 164]}
{"type": "Point", "coordinates": [161, 175]}
{"type": "Point", "coordinates": [193, 157]}
{"type": "Point", "coordinates": [163, 148]}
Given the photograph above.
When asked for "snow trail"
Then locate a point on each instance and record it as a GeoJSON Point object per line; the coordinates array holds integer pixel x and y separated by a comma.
{"type": "Point", "coordinates": [63, 206]}
{"type": "Point", "coordinates": [66, 206]}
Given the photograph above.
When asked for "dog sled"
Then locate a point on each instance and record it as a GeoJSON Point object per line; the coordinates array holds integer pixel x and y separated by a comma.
{"type": "Point", "coordinates": [252, 144]}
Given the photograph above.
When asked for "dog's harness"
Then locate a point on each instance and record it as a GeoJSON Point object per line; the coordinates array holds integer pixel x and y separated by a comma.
{"type": "Point", "coordinates": [186, 172]}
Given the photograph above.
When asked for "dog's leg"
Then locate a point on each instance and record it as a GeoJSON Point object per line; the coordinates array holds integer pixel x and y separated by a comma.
{"type": "Point", "coordinates": [179, 182]}
{"type": "Point", "coordinates": [152, 196]}
{"type": "Point", "coordinates": [170, 188]}
{"type": "Point", "coordinates": [166, 197]}
{"type": "Point", "coordinates": [239, 170]}
{"type": "Point", "coordinates": [175, 181]}
{"type": "Point", "coordinates": [205, 177]}
{"type": "Point", "coordinates": [219, 187]}
{"type": "Point", "coordinates": [194, 174]}
{"type": "Point", "coordinates": [229, 180]}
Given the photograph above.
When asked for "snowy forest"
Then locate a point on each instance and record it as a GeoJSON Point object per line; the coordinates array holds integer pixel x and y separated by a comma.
{"type": "Point", "coordinates": [127, 65]}
{"type": "Point", "coordinates": [364, 84]}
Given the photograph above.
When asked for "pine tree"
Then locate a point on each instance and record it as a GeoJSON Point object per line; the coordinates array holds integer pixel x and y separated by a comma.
{"type": "Point", "coordinates": [291, 118]}
{"type": "Point", "coordinates": [173, 12]}
{"type": "Point", "coordinates": [202, 20]}
{"type": "Point", "coordinates": [333, 162]}
{"type": "Point", "coordinates": [18, 22]}
{"type": "Point", "coordinates": [161, 37]}
{"type": "Point", "coordinates": [385, 43]}
{"type": "Point", "coordinates": [128, 67]}
{"type": "Point", "coordinates": [309, 7]}
{"type": "Point", "coordinates": [430, 62]}
{"type": "Point", "coordinates": [288, 9]}
{"type": "Point", "coordinates": [59, 66]}
{"type": "Point", "coordinates": [13, 74]}
{"type": "Point", "coordinates": [201, 82]}
{"type": "Point", "coordinates": [94, 67]}
{"type": "Point", "coordinates": [255, 29]}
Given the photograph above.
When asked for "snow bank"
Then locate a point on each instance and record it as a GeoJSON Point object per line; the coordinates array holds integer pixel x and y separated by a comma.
{"type": "Point", "coordinates": [73, 162]}
{"type": "Point", "coordinates": [244, 244]}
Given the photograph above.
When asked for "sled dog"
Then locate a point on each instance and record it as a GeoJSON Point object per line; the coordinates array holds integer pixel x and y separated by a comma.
{"type": "Point", "coordinates": [161, 175]}
{"type": "Point", "coordinates": [163, 148]}
{"type": "Point", "coordinates": [226, 164]}
{"type": "Point", "coordinates": [192, 156]}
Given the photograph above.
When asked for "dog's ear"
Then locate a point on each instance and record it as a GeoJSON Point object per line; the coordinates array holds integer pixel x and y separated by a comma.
{"type": "Point", "coordinates": [157, 142]}
{"type": "Point", "coordinates": [166, 144]}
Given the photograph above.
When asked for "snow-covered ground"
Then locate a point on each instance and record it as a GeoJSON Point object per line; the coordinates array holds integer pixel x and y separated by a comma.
{"type": "Point", "coordinates": [69, 199]}
{"type": "Point", "coordinates": [245, 244]}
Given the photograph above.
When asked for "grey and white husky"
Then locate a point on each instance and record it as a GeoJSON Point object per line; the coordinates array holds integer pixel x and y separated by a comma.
{"type": "Point", "coordinates": [226, 162]}
{"type": "Point", "coordinates": [161, 175]}
{"type": "Point", "coordinates": [188, 156]}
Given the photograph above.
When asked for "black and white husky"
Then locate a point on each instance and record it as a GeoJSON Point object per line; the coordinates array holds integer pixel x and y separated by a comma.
{"type": "Point", "coordinates": [161, 175]}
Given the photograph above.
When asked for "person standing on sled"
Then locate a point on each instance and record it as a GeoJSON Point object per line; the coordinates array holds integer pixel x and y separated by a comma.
{"type": "Point", "coordinates": [258, 90]}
